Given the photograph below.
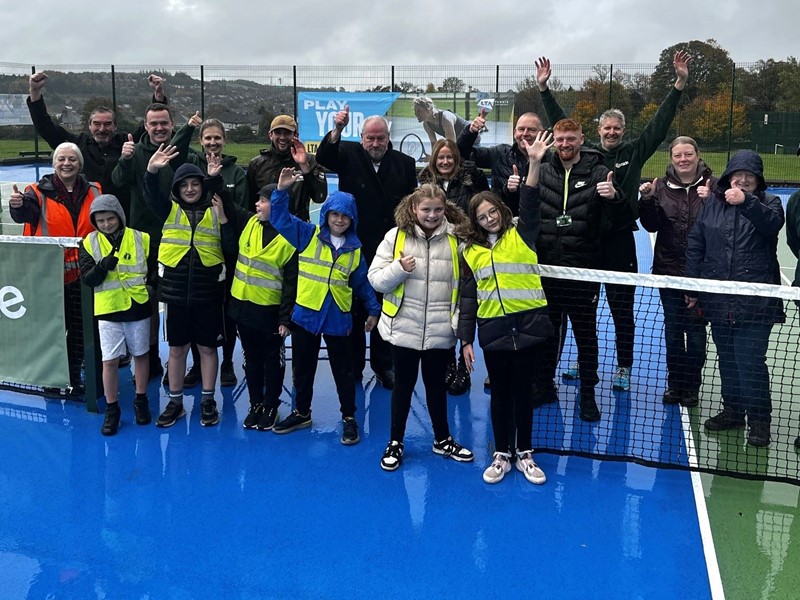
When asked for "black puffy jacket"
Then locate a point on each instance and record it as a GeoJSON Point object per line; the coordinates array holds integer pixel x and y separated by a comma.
{"type": "Point", "coordinates": [738, 243]}
{"type": "Point", "coordinates": [467, 181]}
{"type": "Point", "coordinates": [576, 245]}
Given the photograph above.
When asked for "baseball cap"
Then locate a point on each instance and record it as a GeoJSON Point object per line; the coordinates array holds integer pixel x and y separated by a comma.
{"type": "Point", "coordinates": [283, 122]}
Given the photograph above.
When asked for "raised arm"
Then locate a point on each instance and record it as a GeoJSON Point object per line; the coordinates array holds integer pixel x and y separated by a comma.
{"type": "Point", "coordinates": [314, 184]}
{"type": "Point", "coordinates": [543, 72]}
{"type": "Point", "coordinates": [51, 132]}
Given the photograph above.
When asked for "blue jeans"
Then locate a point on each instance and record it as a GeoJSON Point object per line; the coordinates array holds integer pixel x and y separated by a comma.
{"type": "Point", "coordinates": [742, 352]}
{"type": "Point", "coordinates": [685, 340]}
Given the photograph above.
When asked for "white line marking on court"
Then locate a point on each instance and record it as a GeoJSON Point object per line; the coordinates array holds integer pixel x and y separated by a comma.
{"type": "Point", "coordinates": [710, 552]}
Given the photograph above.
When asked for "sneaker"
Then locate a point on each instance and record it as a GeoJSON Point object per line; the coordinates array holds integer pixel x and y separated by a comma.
{"type": "Point", "coordinates": [209, 415]}
{"type": "Point", "coordinates": [589, 410]}
{"type": "Point", "coordinates": [269, 417]}
{"type": "Point", "coordinates": [544, 393]}
{"type": "Point", "coordinates": [461, 381]}
{"type": "Point", "coordinates": [573, 372]}
{"type": "Point", "coordinates": [759, 434]}
{"type": "Point", "coordinates": [350, 431]}
{"type": "Point", "coordinates": [449, 448]}
{"type": "Point", "coordinates": [141, 411]}
{"type": "Point", "coordinates": [725, 419]}
{"type": "Point", "coordinates": [622, 379]}
{"type": "Point", "coordinates": [111, 421]}
{"type": "Point", "coordinates": [171, 414]}
{"type": "Point", "coordinates": [672, 397]}
{"type": "Point", "coordinates": [690, 399]}
{"type": "Point", "coordinates": [227, 378]}
{"type": "Point", "coordinates": [253, 416]}
{"type": "Point", "coordinates": [392, 456]}
{"type": "Point", "coordinates": [294, 421]}
{"type": "Point", "coordinates": [501, 464]}
{"type": "Point", "coordinates": [192, 377]}
{"type": "Point", "coordinates": [452, 366]}
{"type": "Point", "coordinates": [529, 468]}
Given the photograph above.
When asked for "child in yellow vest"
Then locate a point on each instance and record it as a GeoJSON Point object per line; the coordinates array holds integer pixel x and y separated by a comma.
{"type": "Point", "coordinates": [113, 261]}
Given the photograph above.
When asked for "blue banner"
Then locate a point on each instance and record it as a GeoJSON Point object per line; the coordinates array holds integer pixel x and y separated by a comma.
{"type": "Point", "coordinates": [316, 112]}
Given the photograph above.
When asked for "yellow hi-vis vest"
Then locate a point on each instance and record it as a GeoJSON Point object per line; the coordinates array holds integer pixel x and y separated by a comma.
{"type": "Point", "coordinates": [507, 276]}
{"type": "Point", "coordinates": [317, 273]}
{"type": "Point", "coordinates": [126, 282]}
{"type": "Point", "coordinates": [394, 299]}
{"type": "Point", "coordinates": [177, 238]}
{"type": "Point", "coordinates": [258, 277]}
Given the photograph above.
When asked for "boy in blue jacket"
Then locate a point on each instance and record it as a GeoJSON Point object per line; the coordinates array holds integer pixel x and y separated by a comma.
{"type": "Point", "coordinates": [330, 269]}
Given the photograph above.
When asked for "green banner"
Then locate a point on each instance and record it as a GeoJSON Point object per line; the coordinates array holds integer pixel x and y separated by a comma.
{"type": "Point", "coordinates": [33, 345]}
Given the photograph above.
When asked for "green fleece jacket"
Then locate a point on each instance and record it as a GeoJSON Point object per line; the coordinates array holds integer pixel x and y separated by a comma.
{"type": "Point", "coordinates": [627, 159]}
{"type": "Point", "coordinates": [130, 172]}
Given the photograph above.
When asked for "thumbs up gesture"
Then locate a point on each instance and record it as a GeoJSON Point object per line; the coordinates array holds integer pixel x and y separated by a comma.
{"type": "Point", "coordinates": [647, 189]}
{"type": "Point", "coordinates": [195, 120]}
{"type": "Point", "coordinates": [15, 200]}
{"type": "Point", "coordinates": [704, 191]}
{"type": "Point", "coordinates": [512, 185]}
{"type": "Point", "coordinates": [408, 262]}
{"type": "Point", "coordinates": [479, 122]}
{"type": "Point", "coordinates": [342, 118]}
{"type": "Point", "coordinates": [128, 148]}
{"type": "Point", "coordinates": [606, 188]}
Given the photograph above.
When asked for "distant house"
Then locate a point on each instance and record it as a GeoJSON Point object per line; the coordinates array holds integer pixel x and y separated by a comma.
{"type": "Point", "coordinates": [232, 120]}
{"type": "Point", "coordinates": [70, 120]}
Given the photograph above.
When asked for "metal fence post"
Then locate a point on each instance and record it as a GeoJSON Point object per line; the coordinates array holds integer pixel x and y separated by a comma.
{"type": "Point", "coordinates": [294, 91]}
{"type": "Point", "coordinates": [730, 110]}
{"type": "Point", "coordinates": [203, 91]}
{"type": "Point", "coordinates": [113, 89]}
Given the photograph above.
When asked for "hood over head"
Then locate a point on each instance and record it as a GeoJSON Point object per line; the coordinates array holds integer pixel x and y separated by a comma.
{"type": "Point", "coordinates": [340, 202]}
{"type": "Point", "coordinates": [744, 160]}
{"type": "Point", "coordinates": [187, 171]}
{"type": "Point", "coordinates": [107, 203]}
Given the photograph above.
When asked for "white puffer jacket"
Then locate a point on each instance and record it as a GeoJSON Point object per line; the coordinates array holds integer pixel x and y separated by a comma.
{"type": "Point", "coordinates": [424, 321]}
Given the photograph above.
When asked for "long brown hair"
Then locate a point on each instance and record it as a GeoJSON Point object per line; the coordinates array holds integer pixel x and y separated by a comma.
{"type": "Point", "coordinates": [404, 214]}
{"type": "Point", "coordinates": [471, 231]}
{"type": "Point", "coordinates": [430, 169]}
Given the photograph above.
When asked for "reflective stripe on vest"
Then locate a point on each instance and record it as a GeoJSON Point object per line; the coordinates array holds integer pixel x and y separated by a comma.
{"type": "Point", "coordinates": [61, 225]}
{"type": "Point", "coordinates": [178, 237]}
{"type": "Point", "coordinates": [258, 277]}
{"type": "Point", "coordinates": [394, 299]}
{"type": "Point", "coordinates": [317, 273]}
{"type": "Point", "coordinates": [507, 276]}
{"type": "Point", "coordinates": [126, 282]}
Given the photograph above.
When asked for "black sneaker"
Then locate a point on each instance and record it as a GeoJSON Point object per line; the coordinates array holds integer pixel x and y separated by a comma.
{"type": "Point", "coordinates": [386, 379]}
{"type": "Point", "coordinates": [192, 377]}
{"type": "Point", "coordinates": [227, 378]}
{"type": "Point", "coordinates": [727, 418]}
{"type": "Point", "coordinates": [690, 399]}
{"type": "Point", "coordinates": [253, 416]}
{"type": "Point", "coordinates": [672, 396]}
{"type": "Point", "coordinates": [544, 393]}
{"type": "Point", "coordinates": [589, 410]}
{"type": "Point", "coordinates": [461, 381]}
{"type": "Point", "coordinates": [141, 411]}
{"type": "Point", "coordinates": [171, 414]}
{"type": "Point", "coordinates": [209, 415]}
{"type": "Point", "coordinates": [759, 434]}
{"type": "Point", "coordinates": [268, 419]}
{"type": "Point", "coordinates": [111, 421]}
{"type": "Point", "coordinates": [449, 448]}
{"type": "Point", "coordinates": [350, 431]}
{"type": "Point", "coordinates": [392, 457]}
{"type": "Point", "coordinates": [294, 421]}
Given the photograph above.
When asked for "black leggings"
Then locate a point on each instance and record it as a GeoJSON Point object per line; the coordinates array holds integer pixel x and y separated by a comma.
{"type": "Point", "coordinates": [619, 254]}
{"type": "Point", "coordinates": [264, 366]}
{"type": "Point", "coordinates": [406, 369]}
{"type": "Point", "coordinates": [511, 410]}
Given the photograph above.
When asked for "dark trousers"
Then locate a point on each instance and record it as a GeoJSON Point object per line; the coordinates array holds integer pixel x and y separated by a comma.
{"type": "Point", "coordinates": [74, 324]}
{"type": "Point", "coordinates": [512, 414]}
{"type": "Point", "coordinates": [305, 356]}
{"type": "Point", "coordinates": [742, 353]}
{"type": "Point", "coordinates": [618, 253]}
{"type": "Point", "coordinates": [380, 355]}
{"type": "Point", "coordinates": [576, 300]}
{"type": "Point", "coordinates": [406, 369]}
{"type": "Point", "coordinates": [685, 341]}
{"type": "Point", "coordinates": [264, 367]}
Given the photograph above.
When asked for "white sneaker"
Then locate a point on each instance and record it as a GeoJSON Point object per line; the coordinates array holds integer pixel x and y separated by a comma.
{"type": "Point", "coordinates": [529, 468]}
{"type": "Point", "coordinates": [501, 464]}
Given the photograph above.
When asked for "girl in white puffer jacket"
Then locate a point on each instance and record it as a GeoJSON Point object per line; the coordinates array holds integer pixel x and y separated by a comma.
{"type": "Point", "coordinates": [416, 268]}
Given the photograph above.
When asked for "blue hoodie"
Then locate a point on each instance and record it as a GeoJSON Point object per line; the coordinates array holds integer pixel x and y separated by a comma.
{"type": "Point", "coordinates": [329, 319]}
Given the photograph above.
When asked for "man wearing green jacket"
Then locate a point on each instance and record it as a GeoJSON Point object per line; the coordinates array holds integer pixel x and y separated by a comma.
{"type": "Point", "coordinates": [625, 159]}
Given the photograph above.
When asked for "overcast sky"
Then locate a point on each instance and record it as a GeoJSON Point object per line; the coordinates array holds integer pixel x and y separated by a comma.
{"type": "Point", "coordinates": [383, 32]}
